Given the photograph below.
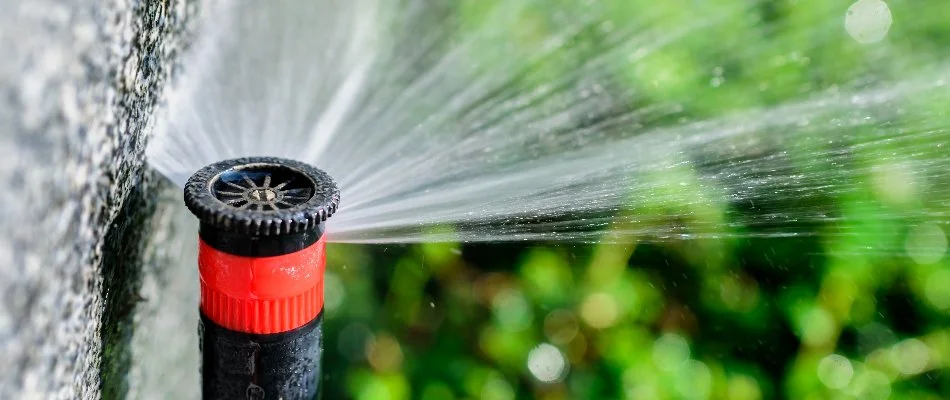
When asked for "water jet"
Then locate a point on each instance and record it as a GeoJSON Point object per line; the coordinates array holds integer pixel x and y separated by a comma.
{"type": "Point", "coordinates": [729, 146]}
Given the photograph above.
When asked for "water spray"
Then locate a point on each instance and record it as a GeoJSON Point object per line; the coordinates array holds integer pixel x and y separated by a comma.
{"type": "Point", "coordinates": [261, 260]}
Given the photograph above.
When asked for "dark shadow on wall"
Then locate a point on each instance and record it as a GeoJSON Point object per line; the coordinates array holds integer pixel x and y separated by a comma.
{"type": "Point", "coordinates": [162, 31]}
{"type": "Point", "coordinates": [122, 262]}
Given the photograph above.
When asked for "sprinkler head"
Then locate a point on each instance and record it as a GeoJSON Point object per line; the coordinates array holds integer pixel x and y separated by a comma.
{"type": "Point", "coordinates": [265, 203]}
{"type": "Point", "coordinates": [261, 259]}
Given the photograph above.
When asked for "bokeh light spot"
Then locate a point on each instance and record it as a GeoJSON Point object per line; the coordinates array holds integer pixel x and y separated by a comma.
{"type": "Point", "coordinates": [560, 326]}
{"type": "Point", "coordinates": [874, 336]}
{"type": "Point", "coordinates": [835, 371]}
{"type": "Point", "coordinates": [926, 243]}
{"type": "Point", "coordinates": [640, 383]}
{"type": "Point", "coordinates": [334, 291]}
{"type": "Point", "coordinates": [577, 349]}
{"type": "Point", "coordinates": [375, 389]}
{"type": "Point", "coordinates": [497, 388]}
{"type": "Point", "coordinates": [894, 182]}
{"type": "Point", "coordinates": [869, 384]}
{"type": "Point", "coordinates": [818, 327]}
{"type": "Point", "coordinates": [384, 353]}
{"type": "Point", "coordinates": [547, 363]}
{"type": "Point", "coordinates": [742, 387]}
{"type": "Point", "coordinates": [512, 310]}
{"type": "Point", "coordinates": [670, 352]}
{"type": "Point", "coordinates": [937, 289]}
{"type": "Point", "coordinates": [696, 380]}
{"type": "Point", "coordinates": [600, 310]}
{"type": "Point", "coordinates": [910, 356]}
{"type": "Point", "coordinates": [868, 21]}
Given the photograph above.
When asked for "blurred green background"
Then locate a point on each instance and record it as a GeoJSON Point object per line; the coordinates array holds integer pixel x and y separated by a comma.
{"type": "Point", "coordinates": [853, 307]}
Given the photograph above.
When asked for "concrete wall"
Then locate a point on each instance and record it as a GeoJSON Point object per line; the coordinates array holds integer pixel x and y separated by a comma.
{"type": "Point", "coordinates": [80, 83]}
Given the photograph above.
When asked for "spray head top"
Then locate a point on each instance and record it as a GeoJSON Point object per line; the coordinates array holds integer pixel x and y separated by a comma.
{"type": "Point", "coordinates": [261, 252]}
{"type": "Point", "coordinates": [261, 196]}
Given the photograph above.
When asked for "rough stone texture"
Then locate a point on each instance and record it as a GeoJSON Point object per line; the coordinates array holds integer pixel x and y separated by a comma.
{"type": "Point", "coordinates": [80, 82]}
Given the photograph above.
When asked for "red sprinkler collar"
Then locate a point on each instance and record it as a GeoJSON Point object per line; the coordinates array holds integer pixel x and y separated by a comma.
{"type": "Point", "coordinates": [262, 294]}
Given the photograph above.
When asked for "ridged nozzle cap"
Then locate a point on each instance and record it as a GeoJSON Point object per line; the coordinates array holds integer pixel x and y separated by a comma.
{"type": "Point", "coordinates": [261, 196]}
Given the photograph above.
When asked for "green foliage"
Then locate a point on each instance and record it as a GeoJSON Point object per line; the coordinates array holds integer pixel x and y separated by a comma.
{"type": "Point", "coordinates": [858, 307]}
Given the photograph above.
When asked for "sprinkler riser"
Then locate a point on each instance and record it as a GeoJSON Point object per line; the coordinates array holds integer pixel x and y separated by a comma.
{"type": "Point", "coordinates": [261, 260]}
{"type": "Point", "coordinates": [236, 365]}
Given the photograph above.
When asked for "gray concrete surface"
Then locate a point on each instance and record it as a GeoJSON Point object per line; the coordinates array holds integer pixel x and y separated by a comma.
{"type": "Point", "coordinates": [80, 82]}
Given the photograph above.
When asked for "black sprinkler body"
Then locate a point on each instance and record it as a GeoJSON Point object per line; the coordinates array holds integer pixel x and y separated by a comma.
{"type": "Point", "coordinates": [261, 259]}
